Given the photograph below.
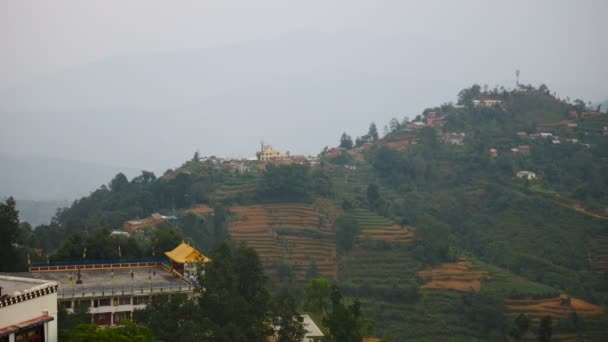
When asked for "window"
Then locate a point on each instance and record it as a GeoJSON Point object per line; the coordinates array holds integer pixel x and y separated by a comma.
{"type": "Point", "coordinates": [82, 303]}
{"type": "Point", "coordinates": [121, 316]}
{"type": "Point", "coordinates": [140, 300]}
{"type": "Point", "coordinates": [101, 302]}
{"type": "Point", "coordinates": [124, 300]}
{"type": "Point", "coordinates": [67, 305]}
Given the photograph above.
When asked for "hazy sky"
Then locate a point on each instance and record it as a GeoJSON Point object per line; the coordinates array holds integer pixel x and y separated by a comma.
{"type": "Point", "coordinates": [146, 83]}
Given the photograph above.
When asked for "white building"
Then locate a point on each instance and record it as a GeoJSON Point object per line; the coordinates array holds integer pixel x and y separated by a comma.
{"type": "Point", "coordinates": [529, 175]}
{"type": "Point", "coordinates": [28, 309]}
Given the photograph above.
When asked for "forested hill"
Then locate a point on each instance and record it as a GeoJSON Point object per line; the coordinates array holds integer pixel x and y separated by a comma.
{"type": "Point", "coordinates": [433, 225]}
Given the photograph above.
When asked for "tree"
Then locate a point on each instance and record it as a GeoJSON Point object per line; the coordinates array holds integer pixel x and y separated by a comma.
{"type": "Point", "coordinates": [521, 324]}
{"type": "Point", "coordinates": [346, 141]}
{"type": "Point", "coordinates": [373, 132]}
{"type": "Point", "coordinates": [119, 182]}
{"type": "Point", "coordinates": [346, 324]}
{"type": "Point", "coordinates": [287, 182]}
{"type": "Point", "coordinates": [165, 239]}
{"type": "Point", "coordinates": [317, 295]}
{"type": "Point", "coordinates": [545, 330]}
{"type": "Point", "coordinates": [347, 229]}
{"type": "Point", "coordinates": [288, 322]}
{"type": "Point", "coordinates": [67, 321]}
{"type": "Point", "coordinates": [373, 195]}
{"type": "Point", "coordinates": [9, 231]}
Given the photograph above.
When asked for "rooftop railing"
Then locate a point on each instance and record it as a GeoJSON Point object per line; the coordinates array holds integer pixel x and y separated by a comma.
{"type": "Point", "coordinates": [96, 262]}
{"type": "Point", "coordinates": [126, 290]}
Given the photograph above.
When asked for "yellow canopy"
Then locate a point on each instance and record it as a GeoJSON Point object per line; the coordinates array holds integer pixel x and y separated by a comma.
{"type": "Point", "coordinates": [183, 253]}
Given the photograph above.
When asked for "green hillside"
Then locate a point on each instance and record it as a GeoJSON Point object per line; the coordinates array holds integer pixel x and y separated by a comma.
{"type": "Point", "coordinates": [437, 237]}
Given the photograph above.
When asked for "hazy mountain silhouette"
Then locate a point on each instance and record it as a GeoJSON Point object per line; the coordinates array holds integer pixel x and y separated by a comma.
{"type": "Point", "coordinates": [155, 111]}
{"type": "Point", "coordinates": [44, 179]}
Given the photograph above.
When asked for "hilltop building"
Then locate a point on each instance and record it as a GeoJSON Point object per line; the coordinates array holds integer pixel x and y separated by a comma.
{"type": "Point", "coordinates": [110, 291]}
{"type": "Point", "coordinates": [486, 102]}
{"type": "Point", "coordinates": [28, 309]}
{"type": "Point", "coordinates": [268, 153]}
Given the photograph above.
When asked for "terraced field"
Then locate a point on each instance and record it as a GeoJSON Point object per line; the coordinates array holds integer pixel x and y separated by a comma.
{"type": "Point", "coordinates": [364, 267]}
{"type": "Point", "coordinates": [201, 209]}
{"type": "Point", "coordinates": [557, 307]}
{"type": "Point", "coordinates": [598, 253]}
{"type": "Point", "coordinates": [378, 228]}
{"type": "Point", "coordinates": [234, 184]}
{"type": "Point", "coordinates": [459, 276]}
{"type": "Point", "coordinates": [294, 233]}
{"type": "Point", "coordinates": [436, 316]}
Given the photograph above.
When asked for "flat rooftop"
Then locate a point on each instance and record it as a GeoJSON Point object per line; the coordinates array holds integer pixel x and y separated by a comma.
{"type": "Point", "coordinates": [16, 282]}
{"type": "Point", "coordinates": [103, 278]}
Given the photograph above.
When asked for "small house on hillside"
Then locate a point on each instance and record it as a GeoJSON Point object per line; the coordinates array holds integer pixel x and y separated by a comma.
{"type": "Point", "coordinates": [485, 102]}
{"type": "Point", "coordinates": [529, 175]}
{"type": "Point", "coordinates": [524, 149]}
{"type": "Point", "coordinates": [434, 120]}
{"type": "Point", "coordinates": [493, 153]}
{"type": "Point", "coordinates": [334, 152]}
{"type": "Point", "coordinates": [417, 124]}
{"type": "Point", "coordinates": [150, 221]}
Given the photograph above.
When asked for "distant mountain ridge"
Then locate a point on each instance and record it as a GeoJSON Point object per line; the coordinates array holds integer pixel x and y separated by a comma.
{"type": "Point", "coordinates": [47, 179]}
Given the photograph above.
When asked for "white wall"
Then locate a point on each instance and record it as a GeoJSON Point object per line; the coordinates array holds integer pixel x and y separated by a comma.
{"type": "Point", "coordinates": [31, 309]}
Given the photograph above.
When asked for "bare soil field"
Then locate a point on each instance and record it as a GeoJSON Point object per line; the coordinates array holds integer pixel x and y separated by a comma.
{"type": "Point", "coordinates": [458, 276]}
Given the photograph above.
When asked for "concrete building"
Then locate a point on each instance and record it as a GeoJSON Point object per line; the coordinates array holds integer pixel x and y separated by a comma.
{"type": "Point", "coordinates": [111, 292]}
{"type": "Point", "coordinates": [268, 153]}
{"type": "Point", "coordinates": [28, 310]}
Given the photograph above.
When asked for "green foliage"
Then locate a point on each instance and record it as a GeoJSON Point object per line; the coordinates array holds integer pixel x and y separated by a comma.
{"type": "Point", "coordinates": [125, 332]}
{"type": "Point", "coordinates": [346, 323]}
{"type": "Point", "coordinates": [347, 229]}
{"type": "Point", "coordinates": [67, 321]}
{"type": "Point", "coordinates": [286, 319]}
{"type": "Point", "coordinates": [11, 257]}
{"type": "Point", "coordinates": [346, 141]}
{"type": "Point", "coordinates": [287, 183]}
{"type": "Point", "coordinates": [521, 324]}
{"type": "Point", "coordinates": [545, 331]}
{"type": "Point", "coordinates": [317, 295]}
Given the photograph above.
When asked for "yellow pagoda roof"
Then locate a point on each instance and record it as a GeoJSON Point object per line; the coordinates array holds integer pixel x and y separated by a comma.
{"type": "Point", "coordinates": [184, 252]}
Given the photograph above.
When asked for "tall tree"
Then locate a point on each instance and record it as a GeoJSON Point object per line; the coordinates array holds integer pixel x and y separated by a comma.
{"type": "Point", "coordinates": [346, 141]}
{"type": "Point", "coordinates": [347, 229]}
{"type": "Point", "coordinates": [287, 321]}
{"type": "Point", "coordinates": [545, 330]}
{"type": "Point", "coordinates": [346, 323]}
{"type": "Point", "coordinates": [9, 231]}
{"type": "Point", "coordinates": [372, 132]}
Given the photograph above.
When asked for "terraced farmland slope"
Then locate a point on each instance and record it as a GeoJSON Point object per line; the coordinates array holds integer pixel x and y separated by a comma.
{"type": "Point", "coordinates": [233, 184]}
{"type": "Point", "coordinates": [292, 232]}
{"type": "Point", "coordinates": [557, 307]}
{"type": "Point", "coordinates": [598, 253]}
{"type": "Point", "coordinates": [459, 276]}
{"type": "Point", "coordinates": [377, 228]}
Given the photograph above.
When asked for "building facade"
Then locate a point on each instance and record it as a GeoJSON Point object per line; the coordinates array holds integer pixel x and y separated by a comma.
{"type": "Point", "coordinates": [268, 153]}
{"type": "Point", "coordinates": [28, 310]}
